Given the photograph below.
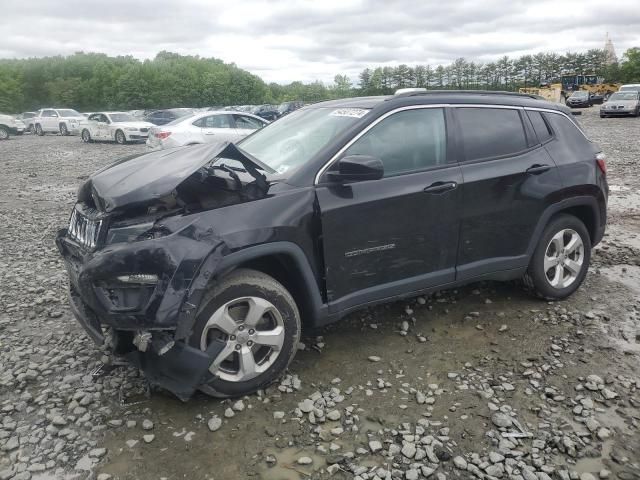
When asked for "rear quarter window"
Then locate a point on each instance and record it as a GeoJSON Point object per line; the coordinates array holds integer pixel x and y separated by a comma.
{"type": "Point", "coordinates": [541, 128]}
{"type": "Point", "coordinates": [491, 132]}
{"type": "Point", "coordinates": [573, 145]}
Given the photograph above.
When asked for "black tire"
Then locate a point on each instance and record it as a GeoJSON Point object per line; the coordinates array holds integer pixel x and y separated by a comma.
{"type": "Point", "coordinates": [31, 130]}
{"type": "Point", "coordinates": [86, 136]}
{"type": "Point", "coordinates": [603, 116]}
{"type": "Point", "coordinates": [249, 283]}
{"type": "Point", "coordinates": [64, 131]}
{"type": "Point", "coordinates": [121, 139]}
{"type": "Point", "coordinates": [39, 130]}
{"type": "Point", "coordinates": [536, 278]}
{"type": "Point", "coordinates": [4, 133]}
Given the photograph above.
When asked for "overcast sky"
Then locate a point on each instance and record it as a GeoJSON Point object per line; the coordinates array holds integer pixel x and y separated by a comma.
{"type": "Point", "coordinates": [284, 41]}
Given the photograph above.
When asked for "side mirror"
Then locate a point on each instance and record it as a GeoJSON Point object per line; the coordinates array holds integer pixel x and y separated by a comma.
{"type": "Point", "coordinates": [354, 168]}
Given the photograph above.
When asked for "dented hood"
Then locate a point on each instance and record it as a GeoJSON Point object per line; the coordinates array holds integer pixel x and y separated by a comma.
{"type": "Point", "coordinates": [151, 176]}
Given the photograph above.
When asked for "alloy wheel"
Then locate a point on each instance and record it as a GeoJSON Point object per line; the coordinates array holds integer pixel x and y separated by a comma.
{"type": "Point", "coordinates": [253, 331]}
{"type": "Point", "coordinates": [563, 258]}
{"type": "Point", "coordinates": [4, 134]}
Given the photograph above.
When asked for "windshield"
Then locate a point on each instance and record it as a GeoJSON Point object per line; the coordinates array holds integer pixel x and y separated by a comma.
{"type": "Point", "coordinates": [121, 117]}
{"type": "Point", "coordinates": [630, 88]}
{"type": "Point", "coordinates": [580, 94]}
{"type": "Point", "coordinates": [68, 113]}
{"type": "Point", "coordinates": [624, 96]}
{"type": "Point", "coordinates": [293, 140]}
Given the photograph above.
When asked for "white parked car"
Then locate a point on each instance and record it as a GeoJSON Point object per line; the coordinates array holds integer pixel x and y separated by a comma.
{"type": "Point", "coordinates": [10, 125]}
{"type": "Point", "coordinates": [204, 127]}
{"type": "Point", "coordinates": [630, 87]}
{"type": "Point", "coordinates": [64, 121]}
{"type": "Point", "coordinates": [119, 127]}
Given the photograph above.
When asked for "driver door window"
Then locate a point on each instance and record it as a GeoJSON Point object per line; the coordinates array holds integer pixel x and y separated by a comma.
{"type": "Point", "coordinates": [407, 141]}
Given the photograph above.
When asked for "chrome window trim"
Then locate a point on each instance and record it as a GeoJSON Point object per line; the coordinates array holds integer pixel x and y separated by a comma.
{"type": "Point", "coordinates": [557, 112]}
{"type": "Point", "coordinates": [328, 164]}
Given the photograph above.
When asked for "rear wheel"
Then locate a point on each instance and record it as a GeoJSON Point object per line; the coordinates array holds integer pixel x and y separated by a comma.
{"type": "Point", "coordinates": [4, 133]}
{"type": "Point", "coordinates": [64, 131]}
{"type": "Point", "coordinates": [120, 138]}
{"type": "Point", "coordinates": [31, 130]}
{"type": "Point", "coordinates": [86, 136]}
{"type": "Point", "coordinates": [561, 260]}
{"type": "Point", "coordinates": [259, 323]}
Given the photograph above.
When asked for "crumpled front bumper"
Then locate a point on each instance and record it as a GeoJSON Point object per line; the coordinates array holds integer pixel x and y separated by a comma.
{"type": "Point", "coordinates": [170, 308]}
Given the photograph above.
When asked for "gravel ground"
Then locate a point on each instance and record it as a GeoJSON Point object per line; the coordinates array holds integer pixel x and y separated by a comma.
{"type": "Point", "coordinates": [480, 382]}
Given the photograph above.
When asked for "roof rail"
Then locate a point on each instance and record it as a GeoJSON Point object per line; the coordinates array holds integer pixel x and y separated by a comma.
{"type": "Point", "coordinates": [412, 92]}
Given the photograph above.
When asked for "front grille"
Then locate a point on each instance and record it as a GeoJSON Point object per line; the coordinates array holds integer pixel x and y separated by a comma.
{"type": "Point", "coordinates": [144, 130]}
{"type": "Point", "coordinates": [84, 229]}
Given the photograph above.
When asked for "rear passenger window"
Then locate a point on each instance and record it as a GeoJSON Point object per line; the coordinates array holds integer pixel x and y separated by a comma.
{"type": "Point", "coordinates": [406, 141]}
{"type": "Point", "coordinates": [491, 132]}
{"type": "Point", "coordinates": [540, 126]}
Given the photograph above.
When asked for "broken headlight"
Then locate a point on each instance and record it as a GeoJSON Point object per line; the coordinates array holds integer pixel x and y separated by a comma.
{"type": "Point", "coordinates": [135, 233]}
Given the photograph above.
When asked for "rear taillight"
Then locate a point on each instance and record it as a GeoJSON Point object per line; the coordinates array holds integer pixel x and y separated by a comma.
{"type": "Point", "coordinates": [601, 160]}
{"type": "Point", "coordinates": [162, 135]}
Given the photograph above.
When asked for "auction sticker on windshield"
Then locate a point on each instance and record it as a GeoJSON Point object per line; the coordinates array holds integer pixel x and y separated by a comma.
{"type": "Point", "coordinates": [349, 112]}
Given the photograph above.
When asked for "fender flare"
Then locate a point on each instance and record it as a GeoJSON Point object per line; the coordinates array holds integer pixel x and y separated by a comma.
{"type": "Point", "coordinates": [216, 265]}
{"type": "Point", "coordinates": [581, 201]}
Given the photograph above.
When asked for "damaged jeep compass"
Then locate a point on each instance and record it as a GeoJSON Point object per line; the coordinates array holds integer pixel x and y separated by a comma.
{"type": "Point", "coordinates": [201, 264]}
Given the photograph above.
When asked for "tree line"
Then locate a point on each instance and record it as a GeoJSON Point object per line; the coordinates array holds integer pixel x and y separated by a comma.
{"type": "Point", "coordinates": [94, 81]}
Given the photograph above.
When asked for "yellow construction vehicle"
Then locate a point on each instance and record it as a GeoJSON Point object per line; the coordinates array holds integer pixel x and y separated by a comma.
{"type": "Point", "coordinates": [559, 92]}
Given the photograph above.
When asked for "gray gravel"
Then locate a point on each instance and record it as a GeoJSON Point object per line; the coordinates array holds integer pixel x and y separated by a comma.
{"type": "Point", "coordinates": [483, 382]}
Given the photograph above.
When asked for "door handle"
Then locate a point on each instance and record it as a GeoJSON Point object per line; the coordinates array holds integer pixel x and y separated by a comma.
{"type": "Point", "coordinates": [440, 187]}
{"type": "Point", "coordinates": [209, 133]}
{"type": "Point", "coordinates": [537, 168]}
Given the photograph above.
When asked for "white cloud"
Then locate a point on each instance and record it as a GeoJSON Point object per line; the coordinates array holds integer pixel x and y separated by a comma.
{"type": "Point", "coordinates": [307, 40]}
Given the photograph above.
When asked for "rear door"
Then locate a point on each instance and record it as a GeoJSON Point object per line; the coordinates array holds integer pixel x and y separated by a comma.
{"type": "Point", "coordinates": [508, 180]}
{"type": "Point", "coordinates": [246, 125]}
{"type": "Point", "coordinates": [398, 234]}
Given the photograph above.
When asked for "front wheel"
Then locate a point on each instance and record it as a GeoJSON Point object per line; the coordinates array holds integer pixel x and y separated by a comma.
{"type": "Point", "coordinates": [120, 138]}
{"type": "Point", "coordinates": [4, 133]}
{"type": "Point", "coordinates": [39, 130]}
{"type": "Point", "coordinates": [64, 131]}
{"type": "Point", "coordinates": [86, 136]}
{"type": "Point", "coordinates": [258, 321]}
{"type": "Point", "coordinates": [560, 261]}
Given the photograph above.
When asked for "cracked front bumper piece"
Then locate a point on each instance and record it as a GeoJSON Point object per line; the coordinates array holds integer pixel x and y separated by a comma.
{"type": "Point", "coordinates": [107, 289]}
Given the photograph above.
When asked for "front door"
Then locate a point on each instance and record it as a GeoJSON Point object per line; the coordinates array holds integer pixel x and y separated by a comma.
{"type": "Point", "coordinates": [398, 234]}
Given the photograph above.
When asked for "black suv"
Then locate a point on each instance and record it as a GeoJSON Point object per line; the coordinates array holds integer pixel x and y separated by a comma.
{"type": "Point", "coordinates": [206, 261]}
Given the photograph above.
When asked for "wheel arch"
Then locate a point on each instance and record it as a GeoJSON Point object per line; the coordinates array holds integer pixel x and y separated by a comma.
{"type": "Point", "coordinates": [585, 208]}
{"type": "Point", "coordinates": [284, 261]}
